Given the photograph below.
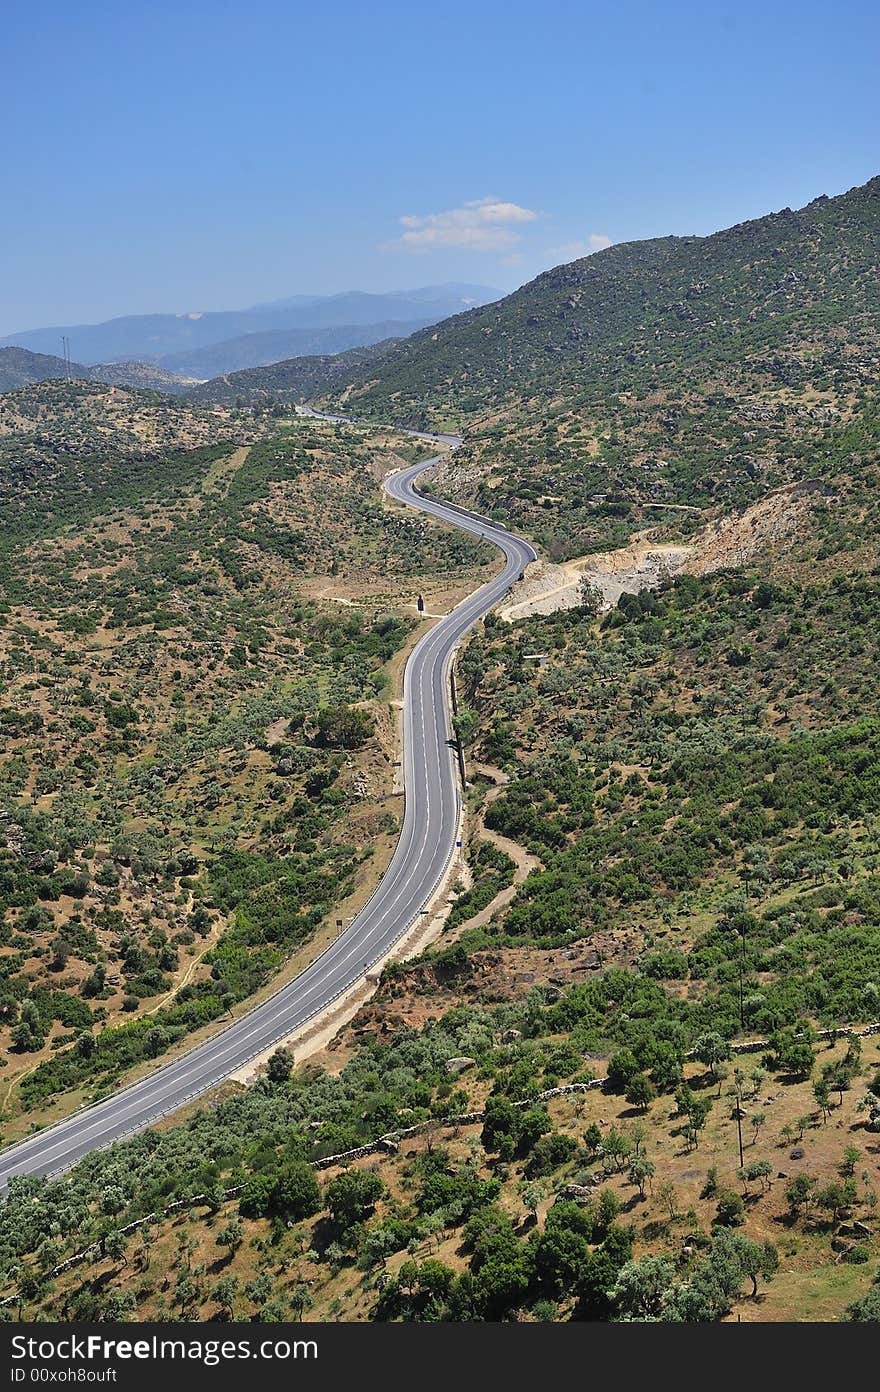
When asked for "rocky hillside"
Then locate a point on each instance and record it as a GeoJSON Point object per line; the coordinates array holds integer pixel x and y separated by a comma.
{"type": "Point", "coordinates": [772, 300]}
{"type": "Point", "coordinates": [147, 376]}
{"type": "Point", "coordinates": [661, 383]}
{"type": "Point", "coordinates": [19, 367]}
{"type": "Point", "coordinates": [291, 381]}
{"type": "Point", "coordinates": [758, 300]}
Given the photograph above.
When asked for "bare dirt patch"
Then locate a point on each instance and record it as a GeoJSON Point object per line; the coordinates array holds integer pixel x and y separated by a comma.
{"type": "Point", "coordinates": [769, 525]}
{"type": "Point", "coordinates": [639, 566]}
{"type": "Point", "coordinates": [772, 524]}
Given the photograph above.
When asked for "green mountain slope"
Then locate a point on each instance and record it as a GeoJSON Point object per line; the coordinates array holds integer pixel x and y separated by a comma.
{"type": "Point", "coordinates": [644, 312]}
{"type": "Point", "coordinates": [803, 285]}
{"type": "Point", "coordinates": [678, 373]}
{"type": "Point", "coordinates": [293, 380]}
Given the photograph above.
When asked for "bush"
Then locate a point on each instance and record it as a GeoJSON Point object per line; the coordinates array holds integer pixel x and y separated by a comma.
{"type": "Point", "coordinates": [296, 1193]}
{"type": "Point", "coordinates": [730, 1212]}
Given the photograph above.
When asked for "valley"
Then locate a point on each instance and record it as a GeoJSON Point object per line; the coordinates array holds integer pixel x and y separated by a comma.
{"type": "Point", "coordinates": [635, 1075]}
{"type": "Point", "coordinates": [114, 851]}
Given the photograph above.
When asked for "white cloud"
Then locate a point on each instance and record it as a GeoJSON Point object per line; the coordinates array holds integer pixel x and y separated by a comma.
{"type": "Point", "coordinates": [485, 224]}
{"type": "Point", "coordinates": [585, 246]}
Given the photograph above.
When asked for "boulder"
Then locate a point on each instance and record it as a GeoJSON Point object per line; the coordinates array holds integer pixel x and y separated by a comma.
{"type": "Point", "coordinates": [458, 1065]}
{"type": "Point", "coordinates": [579, 1193]}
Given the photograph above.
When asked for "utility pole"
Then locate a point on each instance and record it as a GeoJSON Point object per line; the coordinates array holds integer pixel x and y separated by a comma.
{"type": "Point", "coordinates": [458, 745]}
{"type": "Point", "coordinates": [737, 1083]}
{"type": "Point", "coordinates": [742, 954]}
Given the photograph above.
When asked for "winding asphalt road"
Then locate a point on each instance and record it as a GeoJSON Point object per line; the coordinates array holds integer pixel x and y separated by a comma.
{"type": "Point", "coordinates": [432, 814]}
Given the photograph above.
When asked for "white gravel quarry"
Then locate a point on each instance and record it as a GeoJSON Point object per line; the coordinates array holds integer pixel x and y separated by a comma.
{"type": "Point", "coordinates": [547, 587]}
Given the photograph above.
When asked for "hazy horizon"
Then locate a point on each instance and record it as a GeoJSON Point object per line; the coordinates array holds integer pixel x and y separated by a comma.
{"type": "Point", "coordinates": [195, 312]}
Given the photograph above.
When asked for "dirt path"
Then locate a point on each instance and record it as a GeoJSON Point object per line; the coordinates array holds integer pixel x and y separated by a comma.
{"type": "Point", "coordinates": [210, 941]}
{"type": "Point", "coordinates": [14, 1082]}
{"type": "Point", "coordinates": [523, 860]}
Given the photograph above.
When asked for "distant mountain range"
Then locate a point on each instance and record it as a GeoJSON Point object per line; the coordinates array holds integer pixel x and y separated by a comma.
{"type": "Point", "coordinates": [258, 335]}
{"type": "Point", "coordinates": [262, 349]}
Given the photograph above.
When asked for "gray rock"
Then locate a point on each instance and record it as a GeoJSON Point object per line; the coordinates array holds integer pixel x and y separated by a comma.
{"type": "Point", "coordinates": [854, 1229]}
{"type": "Point", "coordinates": [458, 1065]}
{"type": "Point", "coordinates": [580, 1193]}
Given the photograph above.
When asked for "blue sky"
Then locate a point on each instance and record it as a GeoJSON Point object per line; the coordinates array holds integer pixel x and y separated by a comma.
{"type": "Point", "coordinates": [202, 154]}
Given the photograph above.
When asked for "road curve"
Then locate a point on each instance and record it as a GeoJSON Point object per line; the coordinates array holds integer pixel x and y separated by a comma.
{"type": "Point", "coordinates": [430, 826]}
